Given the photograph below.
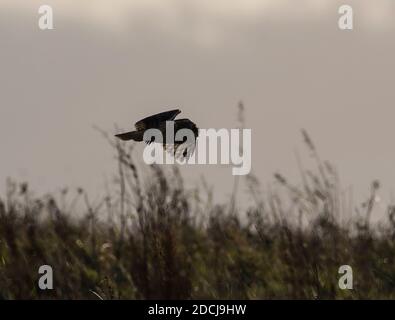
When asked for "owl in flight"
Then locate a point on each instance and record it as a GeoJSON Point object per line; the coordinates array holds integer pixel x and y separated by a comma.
{"type": "Point", "coordinates": [158, 121]}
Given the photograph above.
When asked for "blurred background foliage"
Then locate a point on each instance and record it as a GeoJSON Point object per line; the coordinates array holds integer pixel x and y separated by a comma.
{"type": "Point", "coordinates": [153, 238]}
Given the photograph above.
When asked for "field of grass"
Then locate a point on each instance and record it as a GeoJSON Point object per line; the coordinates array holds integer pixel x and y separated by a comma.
{"type": "Point", "coordinates": [153, 238]}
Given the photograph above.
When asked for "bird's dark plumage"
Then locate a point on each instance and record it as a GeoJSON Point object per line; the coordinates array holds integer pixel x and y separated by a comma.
{"type": "Point", "coordinates": [132, 135]}
{"type": "Point", "coordinates": [158, 121]}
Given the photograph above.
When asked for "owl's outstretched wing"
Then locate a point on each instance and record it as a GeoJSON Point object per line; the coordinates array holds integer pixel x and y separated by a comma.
{"type": "Point", "coordinates": [155, 120]}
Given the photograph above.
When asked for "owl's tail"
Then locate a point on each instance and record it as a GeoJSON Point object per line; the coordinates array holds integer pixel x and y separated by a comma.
{"type": "Point", "coordinates": [132, 135]}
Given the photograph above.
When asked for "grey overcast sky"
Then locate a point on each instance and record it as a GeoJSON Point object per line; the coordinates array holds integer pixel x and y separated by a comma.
{"type": "Point", "coordinates": [113, 62]}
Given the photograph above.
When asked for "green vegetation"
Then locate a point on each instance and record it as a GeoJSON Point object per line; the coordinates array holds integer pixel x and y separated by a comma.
{"type": "Point", "coordinates": [152, 238]}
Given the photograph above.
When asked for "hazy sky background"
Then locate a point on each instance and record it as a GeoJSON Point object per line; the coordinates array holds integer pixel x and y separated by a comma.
{"type": "Point", "coordinates": [113, 62]}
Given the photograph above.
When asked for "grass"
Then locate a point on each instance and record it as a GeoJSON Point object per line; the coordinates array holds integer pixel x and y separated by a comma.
{"type": "Point", "coordinates": [152, 238]}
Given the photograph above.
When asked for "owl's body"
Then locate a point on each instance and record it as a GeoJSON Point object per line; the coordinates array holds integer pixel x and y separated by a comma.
{"type": "Point", "coordinates": [158, 121]}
